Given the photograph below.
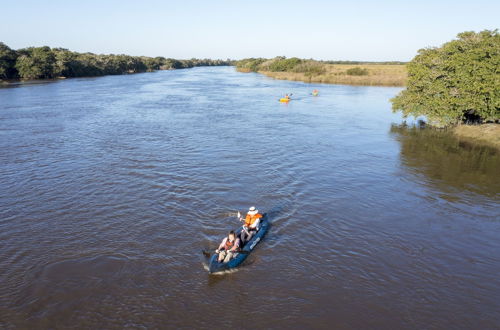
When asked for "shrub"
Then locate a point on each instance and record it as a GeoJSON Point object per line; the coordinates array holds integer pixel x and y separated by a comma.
{"type": "Point", "coordinates": [282, 64]}
{"type": "Point", "coordinates": [249, 64]}
{"type": "Point", "coordinates": [357, 71]}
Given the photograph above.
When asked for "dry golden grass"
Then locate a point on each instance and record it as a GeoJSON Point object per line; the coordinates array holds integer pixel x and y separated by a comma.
{"type": "Point", "coordinates": [378, 75]}
{"type": "Point", "coordinates": [486, 133]}
{"type": "Point", "coordinates": [244, 70]}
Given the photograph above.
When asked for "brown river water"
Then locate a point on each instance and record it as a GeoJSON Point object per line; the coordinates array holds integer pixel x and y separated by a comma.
{"type": "Point", "coordinates": [111, 187]}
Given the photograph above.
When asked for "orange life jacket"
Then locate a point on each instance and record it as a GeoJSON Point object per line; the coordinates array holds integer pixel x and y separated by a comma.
{"type": "Point", "coordinates": [250, 219]}
{"type": "Point", "coordinates": [229, 245]}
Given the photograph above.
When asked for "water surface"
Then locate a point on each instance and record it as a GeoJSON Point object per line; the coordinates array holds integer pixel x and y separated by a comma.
{"type": "Point", "coordinates": [112, 186]}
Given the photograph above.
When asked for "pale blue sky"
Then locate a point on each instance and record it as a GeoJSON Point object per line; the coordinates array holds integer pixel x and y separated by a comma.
{"type": "Point", "coordinates": [330, 30]}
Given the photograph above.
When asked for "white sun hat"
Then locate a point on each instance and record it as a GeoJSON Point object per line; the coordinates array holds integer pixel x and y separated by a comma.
{"type": "Point", "coordinates": [252, 210]}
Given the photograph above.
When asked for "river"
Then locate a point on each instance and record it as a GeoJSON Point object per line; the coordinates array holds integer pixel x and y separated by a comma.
{"type": "Point", "coordinates": [112, 186]}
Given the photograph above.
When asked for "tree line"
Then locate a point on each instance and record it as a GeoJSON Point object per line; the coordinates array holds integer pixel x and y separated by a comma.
{"type": "Point", "coordinates": [47, 63]}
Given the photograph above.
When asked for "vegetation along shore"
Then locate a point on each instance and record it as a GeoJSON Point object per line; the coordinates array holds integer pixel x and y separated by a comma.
{"type": "Point", "coordinates": [331, 72]}
{"type": "Point", "coordinates": [456, 84]}
{"type": "Point", "coordinates": [47, 63]}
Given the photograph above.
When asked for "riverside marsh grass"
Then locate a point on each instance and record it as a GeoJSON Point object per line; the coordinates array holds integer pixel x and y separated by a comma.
{"type": "Point", "coordinates": [377, 75]}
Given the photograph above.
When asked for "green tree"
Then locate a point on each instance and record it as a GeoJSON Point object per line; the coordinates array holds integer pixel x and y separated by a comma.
{"type": "Point", "coordinates": [7, 62]}
{"type": "Point", "coordinates": [171, 63]}
{"type": "Point", "coordinates": [64, 62]}
{"type": "Point", "coordinates": [36, 63]}
{"type": "Point", "coordinates": [456, 82]}
{"type": "Point", "coordinates": [153, 64]}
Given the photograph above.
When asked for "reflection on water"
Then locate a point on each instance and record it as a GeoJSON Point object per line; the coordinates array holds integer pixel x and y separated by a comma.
{"type": "Point", "coordinates": [441, 159]}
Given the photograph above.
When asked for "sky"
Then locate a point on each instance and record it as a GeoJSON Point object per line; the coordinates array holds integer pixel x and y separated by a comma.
{"type": "Point", "coordinates": [325, 30]}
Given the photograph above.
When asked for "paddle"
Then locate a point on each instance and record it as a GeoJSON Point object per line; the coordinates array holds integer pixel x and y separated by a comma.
{"type": "Point", "coordinates": [289, 96]}
{"type": "Point", "coordinates": [241, 219]}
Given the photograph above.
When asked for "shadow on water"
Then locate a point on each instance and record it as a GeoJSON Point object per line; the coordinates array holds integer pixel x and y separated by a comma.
{"type": "Point", "coordinates": [27, 83]}
{"type": "Point", "coordinates": [447, 162]}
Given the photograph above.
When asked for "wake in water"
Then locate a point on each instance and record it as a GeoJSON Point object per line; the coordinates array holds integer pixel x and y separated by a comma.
{"type": "Point", "coordinates": [224, 272]}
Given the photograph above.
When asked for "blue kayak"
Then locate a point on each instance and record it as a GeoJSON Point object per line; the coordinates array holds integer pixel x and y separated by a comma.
{"type": "Point", "coordinates": [215, 266]}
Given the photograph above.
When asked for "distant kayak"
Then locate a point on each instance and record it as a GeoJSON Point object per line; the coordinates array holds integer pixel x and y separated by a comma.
{"type": "Point", "coordinates": [214, 266]}
{"type": "Point", "coordinates": [315, 94]}
{"type": "Point", "coordinates": [285, 100]}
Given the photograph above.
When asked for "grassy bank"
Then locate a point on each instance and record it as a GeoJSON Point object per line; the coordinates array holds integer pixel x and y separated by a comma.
{"type": "Point", "coordinates": [376, 75]}
{"type": "Point", "coordinates": [349, 73]}
{"type": "Point", "coordinates": [488, 134]}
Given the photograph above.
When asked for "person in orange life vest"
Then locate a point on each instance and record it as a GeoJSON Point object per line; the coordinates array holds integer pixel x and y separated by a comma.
{"type": "Point", "coordinates": [229, 246]}
{"type": "Point", "coordinates": [251, 224]}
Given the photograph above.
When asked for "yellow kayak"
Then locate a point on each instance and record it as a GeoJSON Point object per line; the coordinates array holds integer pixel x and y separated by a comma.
{"type": "Point", "coordinates": [285, 99]}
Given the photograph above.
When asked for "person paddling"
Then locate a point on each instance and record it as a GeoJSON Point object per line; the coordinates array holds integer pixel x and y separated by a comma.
{"type": "Point", "coordinates": [251, 224]}
{"type": "Point", "coordinates": [229, 246]}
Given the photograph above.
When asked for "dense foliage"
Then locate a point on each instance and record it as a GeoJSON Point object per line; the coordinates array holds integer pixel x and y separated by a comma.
{"type": "Point", "coordinates": [7, 62]}
{"type": "Point", "coordinates": [280, 64]}
{"type": "Point", "coordinates": [46, 63]}
{"type": "Point", "coordinates": [457, 82]}
{"type": "Point", "coordinates": [357, 71]}
{"type": "Point", "coordinates": [249, 64]}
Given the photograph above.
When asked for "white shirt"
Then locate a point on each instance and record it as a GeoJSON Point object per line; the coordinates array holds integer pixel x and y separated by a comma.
{"type": "Point", "coordinates": [255, 225]}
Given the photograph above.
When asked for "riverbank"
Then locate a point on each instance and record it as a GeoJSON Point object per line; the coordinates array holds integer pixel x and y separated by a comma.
{"type": "Point", "coordinates": [488, 134]}
{"type": "Point", "coordinates": [329, 72]}
{"type": "Point", "coordinates": [50, 63]}
{"type": "Point", "coordinates": [372, 75]}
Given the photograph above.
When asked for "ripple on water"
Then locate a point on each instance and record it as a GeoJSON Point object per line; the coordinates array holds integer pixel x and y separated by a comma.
{"type": "Point", "coordinates": [111, 187]}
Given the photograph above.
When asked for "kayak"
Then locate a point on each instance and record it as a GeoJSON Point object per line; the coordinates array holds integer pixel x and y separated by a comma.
{"type": "Point", "coordinates": [215, 266]}
{"type": "Point", "coordinates": [284, 100]}
{"type": "Point", "coordinates": [315, 94]}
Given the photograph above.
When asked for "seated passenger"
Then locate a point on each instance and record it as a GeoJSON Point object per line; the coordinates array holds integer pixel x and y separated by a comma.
{"type": "Point", "coordinates": [229, 246]}
{"type": "Point", "coordinates": [251, 224]}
